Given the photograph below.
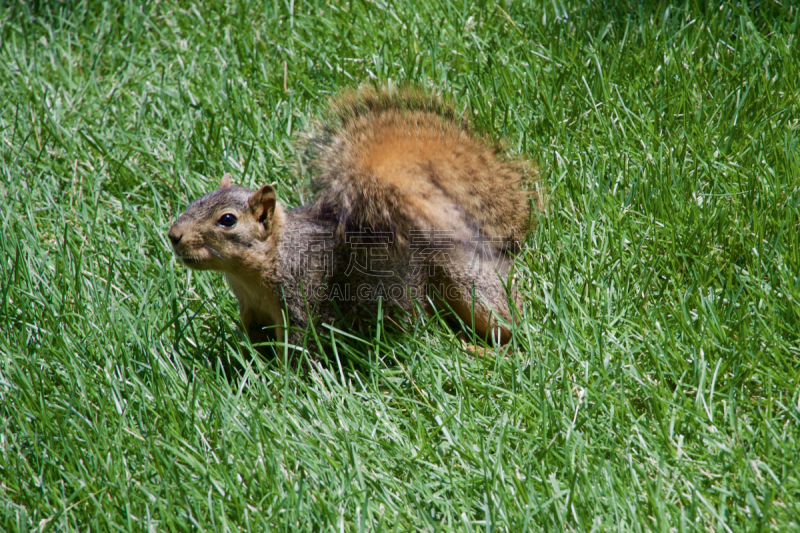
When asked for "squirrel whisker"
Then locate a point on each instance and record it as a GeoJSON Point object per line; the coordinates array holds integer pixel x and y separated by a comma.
{"type": "Point", "coordinates": [213, 251]}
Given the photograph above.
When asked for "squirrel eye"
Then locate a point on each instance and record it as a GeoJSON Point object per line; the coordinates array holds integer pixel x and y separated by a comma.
{"type": "Point", "coordinates": [227, 220]}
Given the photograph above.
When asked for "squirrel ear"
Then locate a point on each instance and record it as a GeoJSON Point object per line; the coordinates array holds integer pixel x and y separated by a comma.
{"type": "Point", "coordinates": [225, 182]}
{"type": "Point", "coordinates": [262, 203]}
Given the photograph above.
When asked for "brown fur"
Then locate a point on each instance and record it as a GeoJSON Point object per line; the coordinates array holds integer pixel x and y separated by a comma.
{"type": "Point", "coordinates": [401, 161]}
{"type": "Point", "coordinates": [446, 207]}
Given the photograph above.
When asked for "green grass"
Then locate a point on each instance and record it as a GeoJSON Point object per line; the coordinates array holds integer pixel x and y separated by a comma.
{"type": "Point", "coordinates": [653, 384]}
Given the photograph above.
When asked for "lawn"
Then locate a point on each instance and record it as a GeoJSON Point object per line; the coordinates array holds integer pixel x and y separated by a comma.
{"type": "Point", "coordinates": [651, 385]}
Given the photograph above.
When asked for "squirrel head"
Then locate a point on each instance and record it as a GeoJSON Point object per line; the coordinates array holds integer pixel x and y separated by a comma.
{"type": "Point", "coordinates": [227, 229]}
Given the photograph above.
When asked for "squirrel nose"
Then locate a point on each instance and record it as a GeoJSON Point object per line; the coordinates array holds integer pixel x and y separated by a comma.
{"type": "Point", "coordinates": [174, 235]}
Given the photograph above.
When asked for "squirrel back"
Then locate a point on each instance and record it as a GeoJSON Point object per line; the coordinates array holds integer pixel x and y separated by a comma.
{"type": "Point", "coordinates": [399, 161]}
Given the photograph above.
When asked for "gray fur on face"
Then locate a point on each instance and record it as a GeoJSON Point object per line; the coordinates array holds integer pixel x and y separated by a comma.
{"type": "Point", "coordinates": [232, 198]}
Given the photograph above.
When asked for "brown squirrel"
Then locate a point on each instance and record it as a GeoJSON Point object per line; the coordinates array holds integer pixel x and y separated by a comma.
{"type": "Point", "coordinates": [412, 208]}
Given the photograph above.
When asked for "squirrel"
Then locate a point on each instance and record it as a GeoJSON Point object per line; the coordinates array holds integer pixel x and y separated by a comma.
{"type": "Point", "coordinates": [412, 209]}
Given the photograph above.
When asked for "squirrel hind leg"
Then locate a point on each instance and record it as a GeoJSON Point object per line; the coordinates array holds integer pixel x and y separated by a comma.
{"type": "Point", "coordinates": [482, 318]}
{"type": "Point", "coordinates": [481, 302]}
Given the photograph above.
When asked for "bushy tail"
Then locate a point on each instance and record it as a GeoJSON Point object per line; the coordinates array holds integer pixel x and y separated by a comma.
{"type": "Point", "coordinates": [399, 160]}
